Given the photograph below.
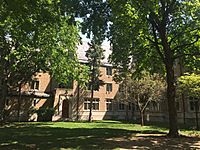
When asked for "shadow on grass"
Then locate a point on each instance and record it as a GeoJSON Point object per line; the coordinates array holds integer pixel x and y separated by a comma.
{"type": "Point", "coordinates": [34, 136]}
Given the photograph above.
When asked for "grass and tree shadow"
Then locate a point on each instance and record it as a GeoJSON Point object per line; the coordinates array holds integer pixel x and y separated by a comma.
{"type": "Point", "coordinates": [98, 135]}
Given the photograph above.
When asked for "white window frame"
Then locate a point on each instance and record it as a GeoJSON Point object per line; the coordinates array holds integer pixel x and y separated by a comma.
{"type": "Point", "coordinates": [109, 71]}
{"type": "Point", "coordinates": [109, 87]}
{"type": "Point", "coordinates": [95, 104]}
{"type": "Point", "coordinates": [109, 104]}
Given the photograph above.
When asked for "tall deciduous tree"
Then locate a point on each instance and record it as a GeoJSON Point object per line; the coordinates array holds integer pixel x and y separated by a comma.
{"type": "Point", "coordinates": [35, 36]}
{"type": "Point", "coordinates": [154, 34]}
{"type": "Point", "coordinates": [94, 55]}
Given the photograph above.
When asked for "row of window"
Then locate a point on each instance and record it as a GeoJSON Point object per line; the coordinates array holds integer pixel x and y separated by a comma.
{"type": "Point", "coordinates": [95, 105]}
{"type": "Point", "coordinates": [121, 106]}
{"type": "Point", "coordinates": [35, 83]}
{"type": "Point", "coordinates": [109, 87]}
{"type": "Point", "coordinates": [193, 105]}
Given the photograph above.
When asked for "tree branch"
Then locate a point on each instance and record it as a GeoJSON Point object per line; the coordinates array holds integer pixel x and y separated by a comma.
{"type": "Point", "coordinates": [156, 43]}
{"type": "Point", "coordinates": [188, 54]}
{"type": "Point", "coordinates": [186, 45]}
{"type": "Point", "coordinates": [181, 33]}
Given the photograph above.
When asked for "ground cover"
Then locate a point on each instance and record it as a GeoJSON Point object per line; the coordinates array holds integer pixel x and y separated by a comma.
{"type": "Point", "coordinates": [96, 135]}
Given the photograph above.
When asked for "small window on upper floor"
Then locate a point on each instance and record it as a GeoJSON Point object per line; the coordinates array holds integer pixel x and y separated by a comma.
{"type": "Point", "coordinates": [109, 71]}
{"type": "Point", "coordinates": [109, 87]}
{"type": "Point", "coordinates": [35, 85]}
{"type": "Point", "coordinates": [95, 87]}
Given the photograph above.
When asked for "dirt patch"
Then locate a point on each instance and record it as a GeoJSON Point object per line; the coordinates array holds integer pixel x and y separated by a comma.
{"type": "Point", "coordinates": [156, 141]}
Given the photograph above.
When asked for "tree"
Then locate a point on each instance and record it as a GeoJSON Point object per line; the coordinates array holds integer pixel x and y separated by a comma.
{"type": "Point", "coordinates": [154, 34]}
{"type": "Point", "coordinates": [94, 55]}
{"type": "Point", "coordinates": [190, 84]}
{"type": "Point", "coordinates": [35, 36]}
{"type": "Point", "coordinates": [143, 91]}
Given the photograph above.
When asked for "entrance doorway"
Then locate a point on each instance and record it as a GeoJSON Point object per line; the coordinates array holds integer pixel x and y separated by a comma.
{"type": "Point", "coordinates": [65, 109]}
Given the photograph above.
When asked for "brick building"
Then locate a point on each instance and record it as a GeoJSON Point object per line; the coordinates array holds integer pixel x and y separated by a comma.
{"type": "Point", "coordinates": [71, 102]}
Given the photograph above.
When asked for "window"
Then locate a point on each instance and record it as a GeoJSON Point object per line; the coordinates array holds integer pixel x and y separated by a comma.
{"type": "Point", "coordinates": [154, 106]}
{"type": "Point", "coordinates": [87, 104]}
{"type": "Point", "coordinates": [109, 105]}
{"type": "Point", "coordinates": [133, 107]}
{"type": "Point", "coordinates": [95, 104]}
{"type": "Point", "coordinates": [35, 85]}
{"type": "Point", "coordinates": [95, 87]}
{"type": "Point", "coordinates": [121, 106]}
{"type": "Point", "coordinates": [129, 105]}
{"type": "Point", "coordinates": [193, 104]}
{"type": "Point", "coordinates": [177, 106]}
{"type": "Point", "coordinates": [109, 71]}
{"type": "Point", "coordinates": [109, 87]}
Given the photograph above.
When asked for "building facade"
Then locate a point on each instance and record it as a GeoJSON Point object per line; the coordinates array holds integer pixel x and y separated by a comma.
{"type": "Point", "coordinates": [71, 102]}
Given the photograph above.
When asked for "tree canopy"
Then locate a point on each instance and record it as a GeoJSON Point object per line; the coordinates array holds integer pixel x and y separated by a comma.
{"type": "Point", "coordinates": [142, 91]}
{"type": "Point", "coordinates": [95, 55]}
{"type": "Point", "coordinates": [152, 34]}
{"type": "Point", "coordinates": [190, 84]}
{"type": "Point", "coordinates": [36, 36]}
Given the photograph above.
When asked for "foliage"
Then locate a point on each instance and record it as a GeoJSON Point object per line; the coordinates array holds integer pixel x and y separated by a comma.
{"type": "Point", "coordinates": [34, 37]}
{"type": "Point", "coordinates": [153, 34]}
{"type": "Point", "coordinates": [94, 55]}
{"type": "Point", "coordinates": [45, 114]}
{"type": "Point", "coordinates": [143, 91]}
{"type": "Point", "coordinates": [190, 84]}
{"type": "Point", "coordinates": [37, 36]}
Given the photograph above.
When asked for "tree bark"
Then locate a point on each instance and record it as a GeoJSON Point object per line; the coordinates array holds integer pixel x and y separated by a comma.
{"type": "Point", "coordinates": [3, 96]}
{"type": "Point", "coordinates": [173, 125]}
{"type": "Point", "coordinates": [77, 102]}
{"type": "Point", "coordinates": [92, 96]}
{"type": "Point", "coordinates": [91, 102]}
{"type": "Point", "coordinates": [182, 94]}
{"type": "Point", "coordinates": [142, 118]}
{"type": "Point", "coordinates": [19, 103]}
{"type": "Point", "coordinates": [169, 62]}
{"type": "Point", "coordinates": [196, 114]}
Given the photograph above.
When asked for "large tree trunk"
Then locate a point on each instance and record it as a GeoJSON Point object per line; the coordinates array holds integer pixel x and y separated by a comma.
{"type": "Point", "coordinates": [142, 118]}
{"type": "Point", "coordinates": [126, 99]}
{"type": "Point", "coordinates": [169, 62]}
{"type": "Point", "coordinates": [19, 103]}
{"type": "Point", "coordinates": [182, 94]}
{"type": "Point", "coordinates": [173, 126]}
{"type": "Point", "coordinates": [91, 102]}
{"type": "Point", "coordinates": [3, 96]}
{"type": "Point", "coordinates": [196, 114]}
{"type": "Point", "coordinates": [91, 99]}
{"type": "Point", "coordinates": [77, 102]}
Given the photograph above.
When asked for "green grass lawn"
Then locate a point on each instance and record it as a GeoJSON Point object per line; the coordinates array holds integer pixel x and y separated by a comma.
{"type": "Point", "coordinates": [96, 135]}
